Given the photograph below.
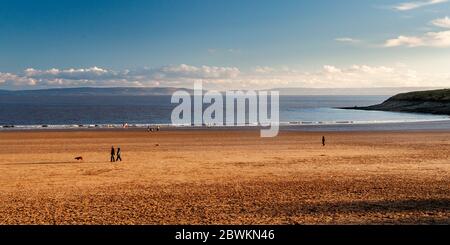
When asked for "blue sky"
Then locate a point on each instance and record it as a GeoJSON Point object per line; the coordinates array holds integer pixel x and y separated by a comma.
{"type": "Point", "coordinates": [246, 43]}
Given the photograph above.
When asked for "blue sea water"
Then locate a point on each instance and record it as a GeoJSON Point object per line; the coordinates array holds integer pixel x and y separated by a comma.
{"type": "Point", "coordinates": [33, 111]}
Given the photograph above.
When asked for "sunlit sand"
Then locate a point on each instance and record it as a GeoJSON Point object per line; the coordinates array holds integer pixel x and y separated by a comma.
{"type": "Point", "coordinates": [224, 177]}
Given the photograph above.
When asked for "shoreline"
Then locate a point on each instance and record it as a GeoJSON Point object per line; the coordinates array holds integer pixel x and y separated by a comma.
{"type": "Point", "coordinates": [431, 125]}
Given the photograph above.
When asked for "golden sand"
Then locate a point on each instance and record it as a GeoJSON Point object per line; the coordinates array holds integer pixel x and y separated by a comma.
{"type": "Point", "coordinates": [224, 177]}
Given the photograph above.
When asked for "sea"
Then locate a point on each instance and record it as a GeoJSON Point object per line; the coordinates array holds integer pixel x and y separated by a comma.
{"type": "Point", "coordinates": [304, 112]}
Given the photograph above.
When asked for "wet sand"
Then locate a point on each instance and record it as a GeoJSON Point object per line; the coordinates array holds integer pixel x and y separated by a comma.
{"type": "Point", "coordinates": [224, 177]}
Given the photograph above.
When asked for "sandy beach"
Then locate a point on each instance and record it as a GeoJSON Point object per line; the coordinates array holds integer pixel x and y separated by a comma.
{"type": "Point", "coordinates": [224, 177]}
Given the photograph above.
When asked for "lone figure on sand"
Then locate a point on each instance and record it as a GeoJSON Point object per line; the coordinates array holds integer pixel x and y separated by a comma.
{"type": "Point", "coordinates": [323, 140]}
{"type": "Point", "coordinates": [118, 155]}
{"type": "Point", "coordinates": [113, 154]}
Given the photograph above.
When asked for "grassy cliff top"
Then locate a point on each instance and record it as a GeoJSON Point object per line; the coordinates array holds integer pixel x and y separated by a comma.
{"type": "Point", "coordinates": [441, 95]}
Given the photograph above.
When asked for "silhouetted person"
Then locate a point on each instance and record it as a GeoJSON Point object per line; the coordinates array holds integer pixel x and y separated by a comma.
{"type": "Point", "coordinates": [118, 154]}
{"type": "Point", "coordinates": [323, 140]}
{"type": "Point", "coordinates": [113, 154]}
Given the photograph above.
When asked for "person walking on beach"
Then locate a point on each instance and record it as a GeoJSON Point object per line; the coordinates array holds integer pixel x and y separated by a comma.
{"type": "Point", "coordinates": [118, 155]}
{"type": "Point", "coordinates": [113, 154]}
{"type": "Point", "coordinates": [323, 140]}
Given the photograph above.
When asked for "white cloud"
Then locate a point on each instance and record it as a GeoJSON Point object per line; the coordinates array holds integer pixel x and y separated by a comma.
{"type": "Point", "coordinates": [222, 78]}
{"type": "Point", "coordinates": [444, 22]}
{"type": "Point", "coordinates": [330, 76]}
{"type": "Point", "coordinates": [347, 40]}
{"type": "Point", "coordinates": [11, 80]}
{"type": "Point", "coordinates": [76, 74]}
{"type": "Point", "coordinates": [187, 71]}
{"type": "Point", "coordinates": [417, 4]}
{"type": "Point", "coordinates": [263, 69]}
{"type": "Point", "coordinates": [440, 39]}
{"type": "Point", "coordinates": [430, 39]}
{"type": "Point", "coordinates": [331, 69]}
{"type": "Point", "coordinates": [172, 75]}
{"type": "Point", "coordinates": [408, 41]}
{"type": "Point", "coordinates": [361, 76]}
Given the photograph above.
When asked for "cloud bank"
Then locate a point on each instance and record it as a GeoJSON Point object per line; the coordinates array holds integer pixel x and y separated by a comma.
{"type": "Point", "coordinates": [223, 78]}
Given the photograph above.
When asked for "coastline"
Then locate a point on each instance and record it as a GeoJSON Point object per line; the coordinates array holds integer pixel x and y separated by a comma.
{"type": "Point", "coordinates": [433, 102]}
{"type": "Point", "coordinates": [430, 125]}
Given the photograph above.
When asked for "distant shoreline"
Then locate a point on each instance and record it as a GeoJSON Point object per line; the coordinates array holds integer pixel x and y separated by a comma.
{"type": "Point", "coordinates": [168, 91]}
{"type": "Point", "coordinates": [350, 127]}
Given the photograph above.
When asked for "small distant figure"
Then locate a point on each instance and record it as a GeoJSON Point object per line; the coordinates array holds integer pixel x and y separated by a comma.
{"type": "Point", "coordinates": [119, 158]}
{"type": "Point", "coordinates": [113, 154]}
{"type": "Point", "coordinates": [323, 140]}
{"type": "Point", "coordinates": [153, 129]}
{"type": "Point", "coordinates": [79, 158]}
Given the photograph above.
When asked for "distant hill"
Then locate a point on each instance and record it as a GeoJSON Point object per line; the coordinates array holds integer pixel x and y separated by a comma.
{"type": "Point", "coordinates": [131, 91]}
{"type": "Point", "coordinates": [140, 91]}
{"type": "Point", "coordinates": [388, 91]}
{"type": "Point", "coordinates": [432, 101]}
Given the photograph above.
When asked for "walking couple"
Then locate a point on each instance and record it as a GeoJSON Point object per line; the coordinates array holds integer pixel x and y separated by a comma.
{"type": "Point", "coordinates": [115, 156]}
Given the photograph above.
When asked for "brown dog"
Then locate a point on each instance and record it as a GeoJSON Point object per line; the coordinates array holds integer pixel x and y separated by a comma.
{"type": "Point", "coordinates": [79, 158]}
